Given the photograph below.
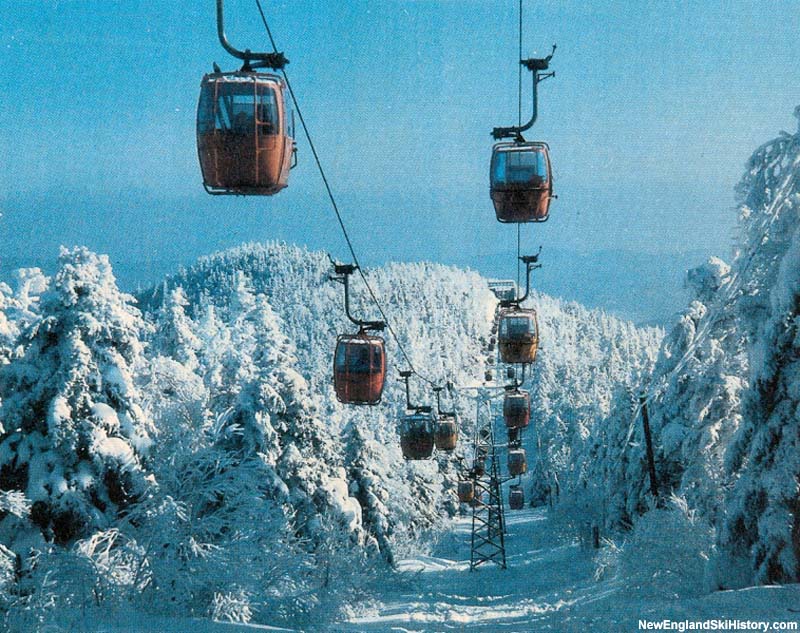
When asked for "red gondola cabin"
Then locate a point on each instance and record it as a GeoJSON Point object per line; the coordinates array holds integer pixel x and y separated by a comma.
{"type": "Point", "coordinates": [521, 182]}
{"type": "Point", "coordinates": [517, 409]}
{"type": "Point", "coordinates": [244, 140]}
{"type": "Point", "coordinates": [518, 336]}
{"type": "Point", "coordinates": [417, 435]}
{"type": "Point", "coordinates": [359, 368]}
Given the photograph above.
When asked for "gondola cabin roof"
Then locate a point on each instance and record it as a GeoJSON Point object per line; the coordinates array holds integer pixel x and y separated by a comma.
{"type": "Point", "coordinates": [417, 420]}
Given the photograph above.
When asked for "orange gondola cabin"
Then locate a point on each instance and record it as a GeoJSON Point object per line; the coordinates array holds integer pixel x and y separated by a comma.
{"type": "Point", "coordinates": [359, 368]}
{"type": "Point", "coordinates": [446, 436]}
{"type": "Point", "coordinates": [517, 409]}
{"type": "Point", "coordinates": [521, 181]}
{"type": "Point", "coordinates": [466, 490]}
{"type": "Point", "coordinates": [479, 466]}
{"type": "Point", "coordinates": [244, 135]}
{"type": "Point", "coordinates": [518, 336]}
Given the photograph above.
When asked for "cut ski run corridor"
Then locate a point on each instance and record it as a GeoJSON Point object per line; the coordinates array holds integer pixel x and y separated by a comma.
{"type": "Point", "coordinates": [548, 586]}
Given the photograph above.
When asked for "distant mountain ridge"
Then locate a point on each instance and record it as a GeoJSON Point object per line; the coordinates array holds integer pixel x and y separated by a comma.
{"type": "Point", "coordinates": [636, 286]}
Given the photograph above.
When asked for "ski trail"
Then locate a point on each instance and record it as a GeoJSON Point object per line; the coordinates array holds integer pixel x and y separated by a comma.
{"type": "Point", "coordinates": [548, 586]}
{"type": "Point", "coordinates": [440, 593]}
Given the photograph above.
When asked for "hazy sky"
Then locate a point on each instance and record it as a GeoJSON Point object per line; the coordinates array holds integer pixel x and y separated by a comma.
{"type": "Point", "coordinates": [652, 114]}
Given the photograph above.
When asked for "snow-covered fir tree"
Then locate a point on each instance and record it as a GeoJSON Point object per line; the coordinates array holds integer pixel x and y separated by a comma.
{"type": "Point", "coordinates": [76, 435]}
{"type": "Point", "coordinates": [722, 396]}
{"type": "Point", "coordinates": [762, 525]}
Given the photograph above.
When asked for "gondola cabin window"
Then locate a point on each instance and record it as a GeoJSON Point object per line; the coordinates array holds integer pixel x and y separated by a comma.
{"type": "Point", "coordinates": [237, 107]}
{"type": "Point", "coordinates": [359, 358]}
{"type": "Point", "coordinates": [512, 327]}
{"type": "Point", "coordinates": [512, 167]}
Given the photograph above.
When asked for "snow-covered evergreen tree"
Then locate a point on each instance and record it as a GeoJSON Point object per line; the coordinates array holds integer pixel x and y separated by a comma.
{"type": "Point", "coordinates": [19, 307]}
{"type": "Point", "coordinates": [174, 335]}
{"type": "Point", "coordinates": [363, 456]}
{"type": "Point", "coordinates": [76, 435]}
{"type": "Point", "coordinates": [722, 396]}
{"type": "Point", "coordinates": [8, 333]}
{"type": "Point", "coordinates": [763, 516]}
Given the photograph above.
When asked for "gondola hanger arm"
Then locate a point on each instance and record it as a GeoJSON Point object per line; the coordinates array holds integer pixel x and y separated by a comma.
{"type": "Point", "coordinates": [342, 276]}
{"type": "Point", "coordinates": [274, 60]}
{"type": "Point", "coordinates": [536, 65]}
{"type": "Point", "coordinates": [531, 263]}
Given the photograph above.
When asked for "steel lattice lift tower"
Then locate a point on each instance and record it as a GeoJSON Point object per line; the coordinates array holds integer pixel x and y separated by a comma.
{"type": "Point", "coordinates": [488, 519]}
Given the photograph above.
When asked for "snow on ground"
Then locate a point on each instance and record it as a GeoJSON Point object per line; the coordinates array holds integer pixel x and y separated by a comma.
{"type": "Point", "coordinates": [548, 586]}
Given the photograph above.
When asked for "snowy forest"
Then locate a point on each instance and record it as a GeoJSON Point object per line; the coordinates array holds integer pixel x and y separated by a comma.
{"type": "Point", "coordinates": [180, 451]}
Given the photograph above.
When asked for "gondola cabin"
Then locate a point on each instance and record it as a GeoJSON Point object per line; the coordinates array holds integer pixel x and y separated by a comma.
{"type": "Point", "coordinates": [521, 182]}
{"type": "Point", "coordinates": [359, 368]}
{"type": "Point", "coordinates": [446, 436]}
{"type": "Point", "coordinates": [417, 433]}
{"type": "Point", "coordinates": [517, 409]}
{"type": "Point", "coordinates": [466, 490]}
{"type": "Point", "coordinates": [479, 467]}
{"type": "Point", "coordinates": [244, 140]}
{"type": "Point", "coordinates": [516, 498]}
{"type": "Point", "coordinates": [517, 462]}
{"type": "Point", "coordinates": [514, 437]}
{"type": "Point", "coordinates": [518, 336]}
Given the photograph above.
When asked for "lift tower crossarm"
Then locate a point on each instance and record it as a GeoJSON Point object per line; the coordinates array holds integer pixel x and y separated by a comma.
{"type": "Point", "coordinates": [536, 65]}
